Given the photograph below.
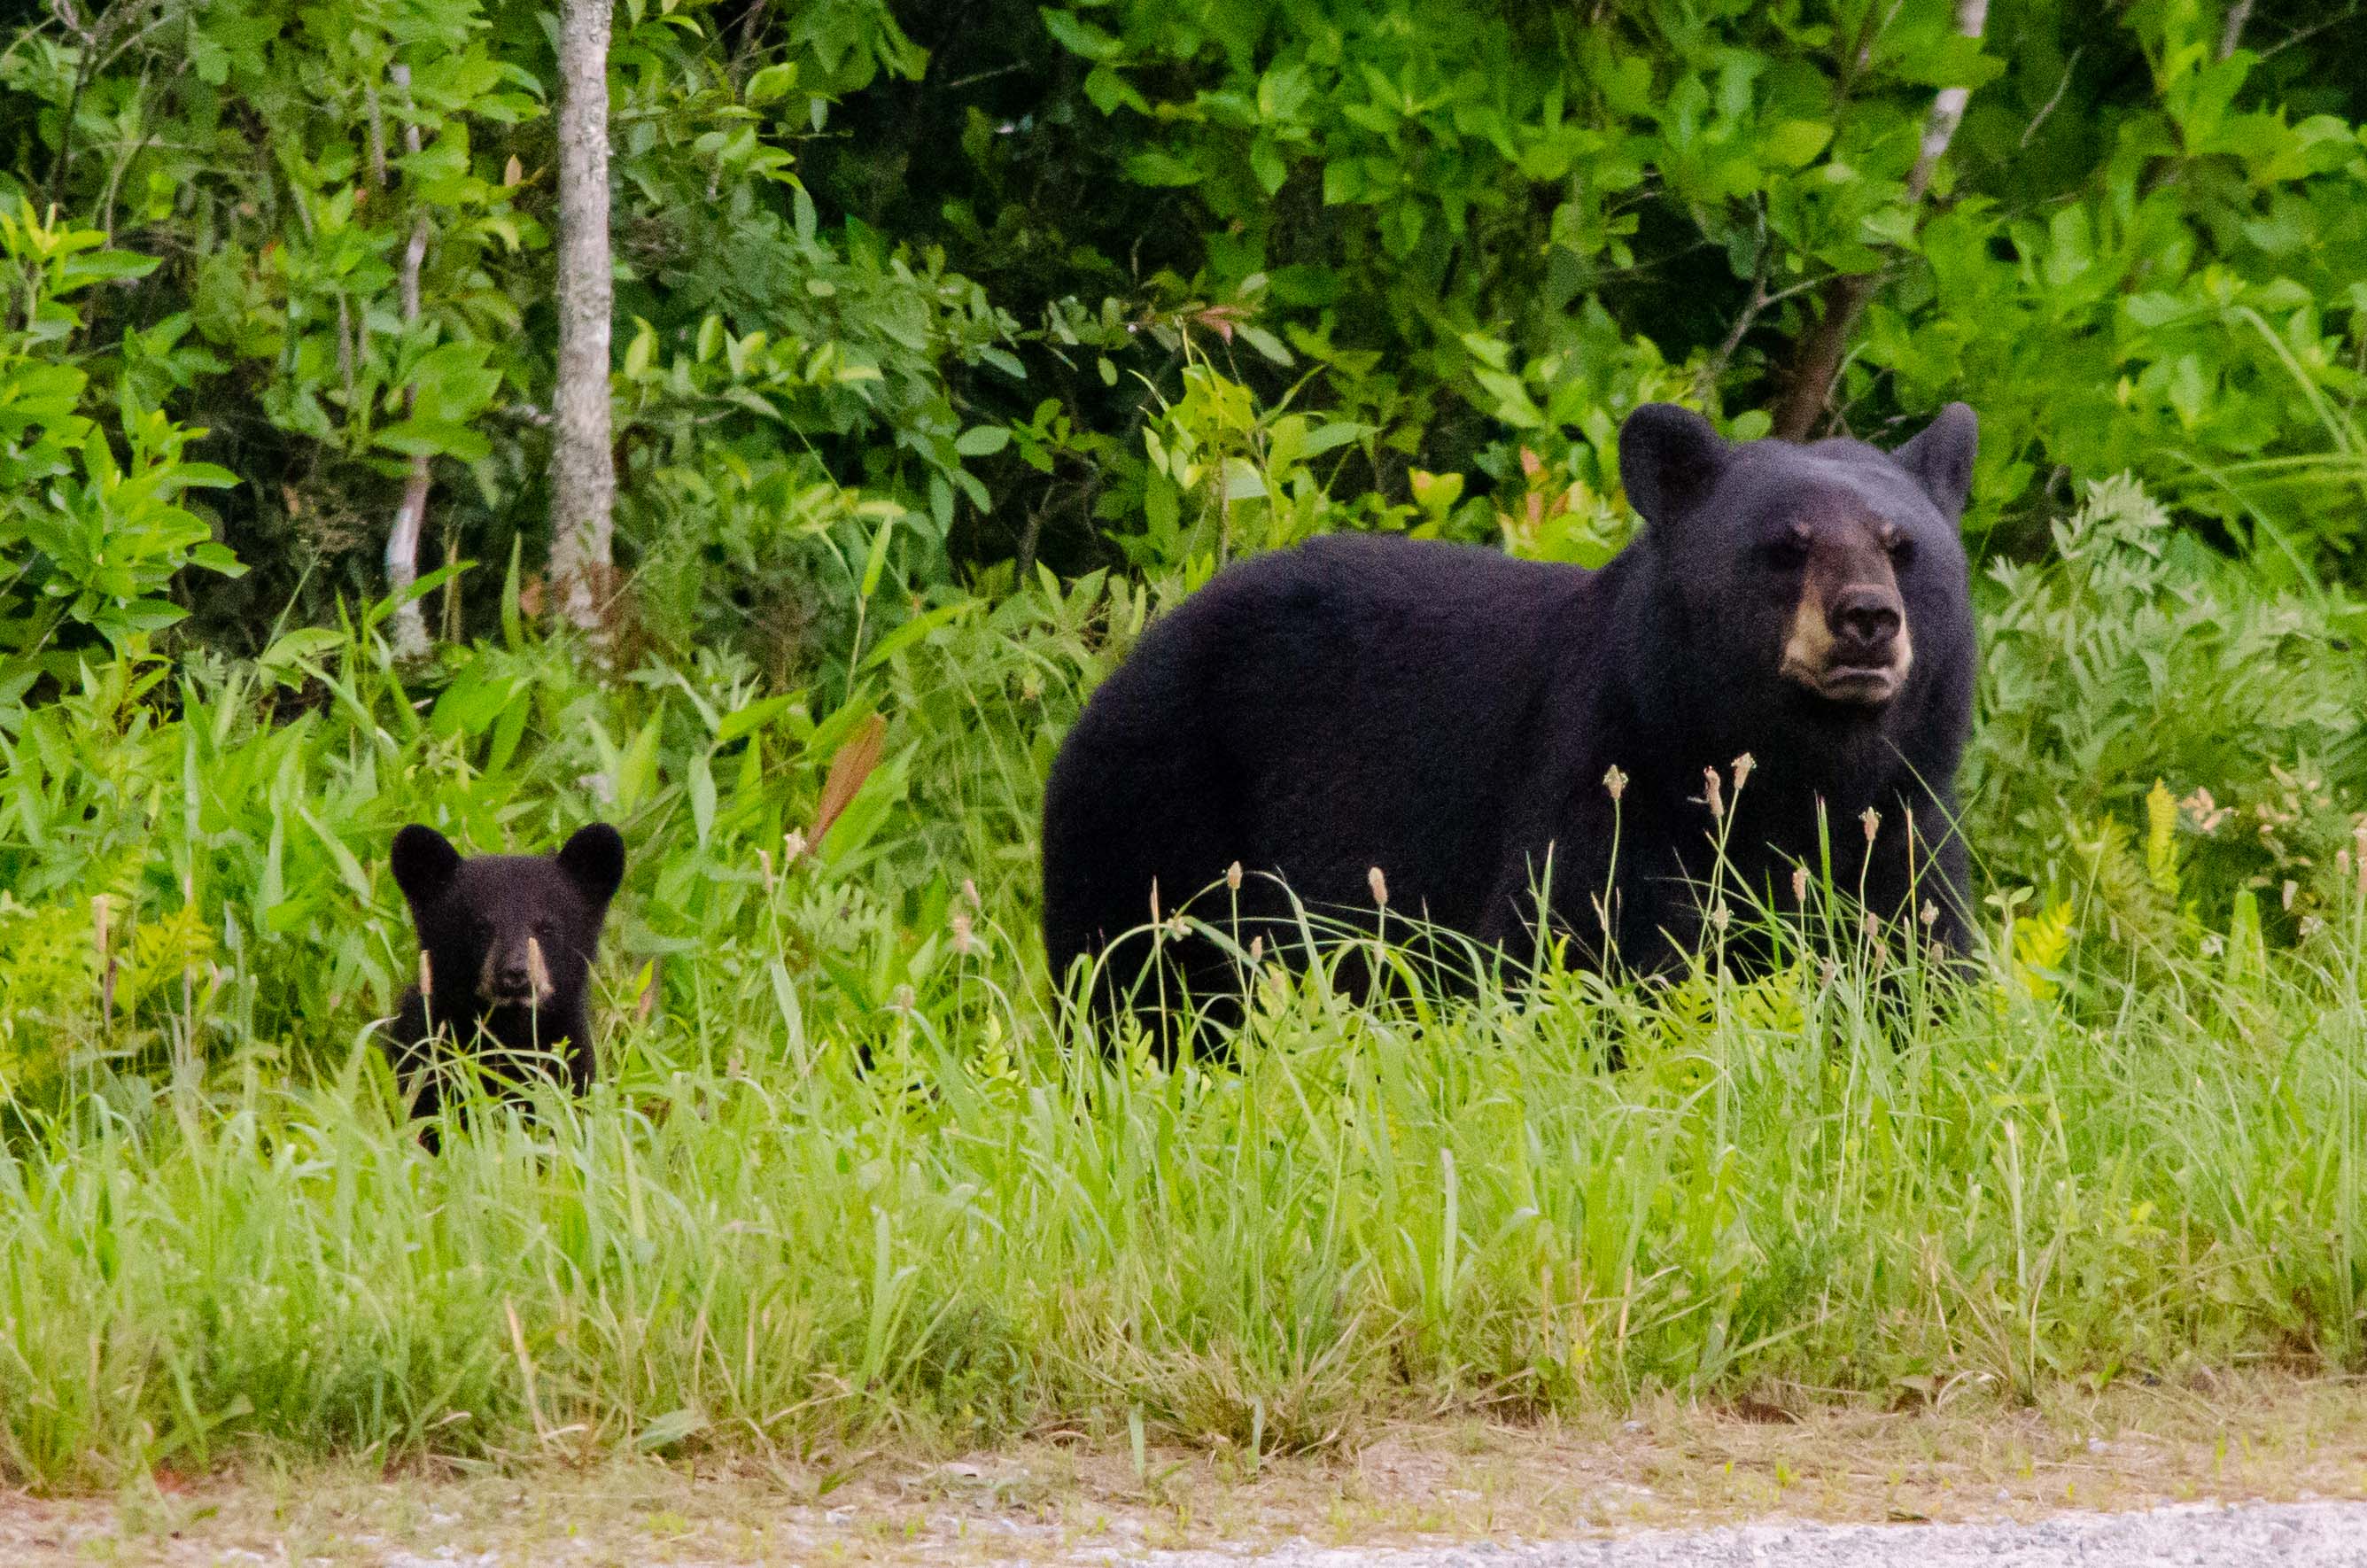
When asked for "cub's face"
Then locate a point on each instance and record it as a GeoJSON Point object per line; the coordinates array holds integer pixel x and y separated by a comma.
{"type": "Point", "coordinates": [508, 930]}
{"type": "Point", "coordinates": [1819, 568]}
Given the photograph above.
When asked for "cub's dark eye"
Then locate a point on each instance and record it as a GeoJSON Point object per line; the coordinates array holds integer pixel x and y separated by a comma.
{"type": "Point", "coordinates": [1901, 548]}
{"type": "Point", "coordinates": [1785, 552]}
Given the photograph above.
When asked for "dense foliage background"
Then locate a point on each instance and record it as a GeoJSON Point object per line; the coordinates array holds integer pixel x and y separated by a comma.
{"type": "Point", "coordinates": [938, 322]}
{"type": "Point", "coordinates": [938, 270]}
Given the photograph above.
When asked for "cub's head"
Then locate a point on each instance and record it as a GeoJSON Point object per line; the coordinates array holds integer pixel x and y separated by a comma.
{"type": "Point", "coordinates": [1829, 569]}
{"type": "Point", "coordinates": [508, 930]}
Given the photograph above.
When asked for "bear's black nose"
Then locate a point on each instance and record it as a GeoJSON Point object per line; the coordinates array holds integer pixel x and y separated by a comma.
{"type": "Point", "coordinates": [512, 977]}
{"type": "Point", "coordinates": [1865, 621]}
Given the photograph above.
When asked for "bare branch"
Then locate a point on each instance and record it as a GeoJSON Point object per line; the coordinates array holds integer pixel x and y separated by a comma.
{"type": "Point", "coordinates": [410, 517]}
{"type": "Point", "coordinates": [2232, 34]}
{"type": "Point", "coordinates": [2048, 108]}
{"type": "Point", "coordinates": [1947, 107]}
{"type": "Point", "coordinates": [2302, 35]}
{"type": "Point", "coordinates": [1745, 318]}
{"type": "Point", "coordinates": [1818, 359]}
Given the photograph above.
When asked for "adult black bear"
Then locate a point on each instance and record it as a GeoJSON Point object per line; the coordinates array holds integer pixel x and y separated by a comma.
{"type": "Point", "coordinates": [1450, 715]}
{"type": "Point", "coordinates": [506, 944]}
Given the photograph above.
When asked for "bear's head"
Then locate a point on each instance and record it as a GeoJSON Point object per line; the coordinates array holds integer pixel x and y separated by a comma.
{"type": "Point", "coordinates": [508, 931]}
{"type": "Point", "coordinates": [1817, 573]}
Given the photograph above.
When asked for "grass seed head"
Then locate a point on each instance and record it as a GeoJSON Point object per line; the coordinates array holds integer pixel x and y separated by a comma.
{"type": "Point", "coordinates": [1380, 886]}
{"type": "Point", "coordinates": [2204, 813]}
{"type": "Point", "coordinates": [1800, 886]}
{"type": "Point", "coordinates": [1714, 794]}
{"type": "Point", "coordinates": [1616, 782]}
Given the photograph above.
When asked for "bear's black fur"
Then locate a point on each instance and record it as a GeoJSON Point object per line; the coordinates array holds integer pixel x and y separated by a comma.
{"type": "Point", "coordinates": [506, 944]}
{"type": "Point", "coordinates": [1449, 715]}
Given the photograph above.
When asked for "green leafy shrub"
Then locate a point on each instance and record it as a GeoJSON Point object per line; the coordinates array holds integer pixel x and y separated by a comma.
{"type": "Point", "coordinates": [2137, 665]}
{"type": "Point", "coordinates": [2143, 250]}
{"type": "Point", "coordinates": [90, 539]}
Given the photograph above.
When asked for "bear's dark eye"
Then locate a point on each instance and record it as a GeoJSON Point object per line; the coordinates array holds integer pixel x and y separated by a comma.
{"type": "Point", "coordinates": [1785, 552]}
{"type": "Point", "coordinates": [1902, 550]}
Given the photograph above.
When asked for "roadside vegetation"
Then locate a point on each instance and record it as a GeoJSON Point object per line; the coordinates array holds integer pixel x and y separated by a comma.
{"type": "Point", "coordinates": [947, 357]}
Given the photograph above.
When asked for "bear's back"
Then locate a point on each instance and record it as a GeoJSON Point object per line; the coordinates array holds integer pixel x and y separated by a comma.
{"type": "Point", "coordinates": [1357, 701]}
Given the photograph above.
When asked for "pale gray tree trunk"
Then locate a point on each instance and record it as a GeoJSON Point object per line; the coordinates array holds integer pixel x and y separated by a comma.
{"type": "Point", "coordinates": [583, 472]}
{"type": "Point", "coordinates": [403, 538]}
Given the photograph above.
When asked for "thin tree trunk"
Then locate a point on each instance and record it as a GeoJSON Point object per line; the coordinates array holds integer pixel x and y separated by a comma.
{"type": "Point", "coordinates": [2232, 33]}
{"type": "Point", "coordinates": [403, 540]}
{"type": "Point", "coordinates": [582, 470]}
{"type": "Point", "coordinates": [1818, 359]}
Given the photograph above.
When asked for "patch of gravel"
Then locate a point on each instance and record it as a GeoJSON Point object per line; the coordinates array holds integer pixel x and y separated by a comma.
{"type": "Point", "coordinates": [2287, 1535]}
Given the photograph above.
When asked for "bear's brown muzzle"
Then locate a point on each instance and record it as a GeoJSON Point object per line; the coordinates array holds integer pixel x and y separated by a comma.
{"type": "Point", "coordinates": [1849, 641]}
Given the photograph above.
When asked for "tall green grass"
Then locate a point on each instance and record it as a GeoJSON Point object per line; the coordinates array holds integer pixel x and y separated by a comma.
{"type": "Point", "coordinates": [741, 1239]}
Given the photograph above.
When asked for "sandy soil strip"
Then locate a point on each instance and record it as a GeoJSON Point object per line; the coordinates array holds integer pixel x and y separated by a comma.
{"type": "Point", "coordinates": [1594, 1488]}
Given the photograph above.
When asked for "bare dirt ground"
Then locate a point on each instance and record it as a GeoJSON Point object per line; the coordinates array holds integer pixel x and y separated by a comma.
{"type": "Point", "coordinates": [1670, 1466]}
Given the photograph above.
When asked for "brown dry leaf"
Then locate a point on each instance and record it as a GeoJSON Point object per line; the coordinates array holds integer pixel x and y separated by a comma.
{"type": "Point", "coordinates": [646, 1002]}
{"type": "Point", "coordinates": [848, 769]}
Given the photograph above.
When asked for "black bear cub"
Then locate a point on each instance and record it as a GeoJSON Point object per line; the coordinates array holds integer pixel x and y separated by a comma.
{"type": "Point", "coordinates": [505, 947]}
{"type": "Point", "coordinates": [1477, 727]}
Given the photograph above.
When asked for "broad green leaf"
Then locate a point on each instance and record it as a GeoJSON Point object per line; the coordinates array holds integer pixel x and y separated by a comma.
{"type": "Point", "coordinates": [1794, 144]}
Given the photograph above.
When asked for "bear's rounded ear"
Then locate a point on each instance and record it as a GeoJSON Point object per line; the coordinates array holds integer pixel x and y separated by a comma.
{"type": "Point", "coordinates": [1668, 458]}
{"type": "Point", "coordinates": [595, 861]}
{"type": "Point", "coordinates": [1941, 458]}
{"type": "Point", "coordinates": [424, 864]}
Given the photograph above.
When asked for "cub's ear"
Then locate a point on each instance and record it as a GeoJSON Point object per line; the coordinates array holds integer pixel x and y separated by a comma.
{"type": "Point", "coordinates": [424, 864]}
{"type": "Point", "coordinates": [1941, 458]}
{"type": "Point", "coordinates": [595, 861]}
{"type": "Point", "coordinates": [1668, 458]}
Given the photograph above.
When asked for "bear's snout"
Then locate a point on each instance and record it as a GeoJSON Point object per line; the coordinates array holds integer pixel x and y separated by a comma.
{"type": "Point", "coordinates": [1848, 642]}
{"type": "Point", "coordinates": [1864, 623]}
{"type": "Point", "coordinates": [516, 973]}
